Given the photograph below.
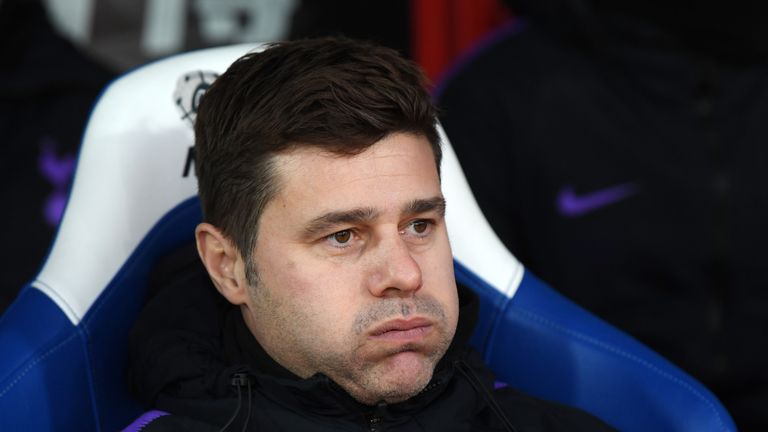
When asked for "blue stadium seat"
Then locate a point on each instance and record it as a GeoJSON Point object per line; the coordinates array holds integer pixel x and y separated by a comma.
{"type": "Point", "coordinates": [63, 340]}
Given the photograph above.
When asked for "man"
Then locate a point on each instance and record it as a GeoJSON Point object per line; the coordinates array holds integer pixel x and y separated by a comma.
{"type": "Point", "coordinates": [318, 169]}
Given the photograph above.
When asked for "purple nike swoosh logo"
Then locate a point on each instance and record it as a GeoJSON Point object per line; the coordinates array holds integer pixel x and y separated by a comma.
{"type": "Point", "coordinates": [572, 205]}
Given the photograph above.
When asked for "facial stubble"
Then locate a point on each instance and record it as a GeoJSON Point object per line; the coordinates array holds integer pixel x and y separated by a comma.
{"type": "Point", "coordinates": [361, 370]}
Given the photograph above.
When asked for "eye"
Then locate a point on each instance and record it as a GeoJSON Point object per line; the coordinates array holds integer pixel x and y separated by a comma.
{"type": "Point", "coordinates": [419, 228]}
{"type": "Point", "coordinates": [342, 236]}
{"type": "Point", "coordinates": [340, 239]}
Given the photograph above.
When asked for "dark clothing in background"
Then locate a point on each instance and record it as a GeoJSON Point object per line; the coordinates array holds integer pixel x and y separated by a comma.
{"type": "Point", "coordinates": [625, 161]}
{"type": "Point", "coordinates": [47, 88]}
{"type": "Point", "coordinates": [188, 343]}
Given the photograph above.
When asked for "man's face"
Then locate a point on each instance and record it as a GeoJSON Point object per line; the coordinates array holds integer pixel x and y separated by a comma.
{"type": "Point", "coordinates": [355, 274]}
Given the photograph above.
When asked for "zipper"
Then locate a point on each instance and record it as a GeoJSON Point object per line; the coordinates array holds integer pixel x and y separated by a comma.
{"type": "Point", "coordinates": [376, 417]}
{"type": "Point", "coordinates": [373, 423]}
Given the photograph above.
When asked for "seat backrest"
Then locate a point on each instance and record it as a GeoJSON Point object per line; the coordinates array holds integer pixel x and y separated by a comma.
{"type": "Point", "coordinates": [134, 200]}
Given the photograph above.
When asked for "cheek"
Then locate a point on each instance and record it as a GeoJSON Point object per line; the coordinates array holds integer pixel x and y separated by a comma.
{"type": "Point", "coordinates": [439, 279]}
{"type": "Point", "coordinates": [321, 293]}
{"type": "Point", "coordinates": [437, 261]}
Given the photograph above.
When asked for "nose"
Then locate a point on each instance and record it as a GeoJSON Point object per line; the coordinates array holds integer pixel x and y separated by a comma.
{"type": "Point", "coordinates": [395, 272]}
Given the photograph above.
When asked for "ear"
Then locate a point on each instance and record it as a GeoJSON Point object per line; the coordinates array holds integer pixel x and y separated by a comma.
{"type": "Point", "coordinates": [224, 263]}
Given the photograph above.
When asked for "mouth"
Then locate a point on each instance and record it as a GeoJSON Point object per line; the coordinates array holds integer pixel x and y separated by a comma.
{"type": "Point", "coordinates": [400, 330]}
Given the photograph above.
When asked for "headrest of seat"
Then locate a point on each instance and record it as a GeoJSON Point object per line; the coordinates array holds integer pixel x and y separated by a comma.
{"type": "Point", "coordinates": [132, 169]}
{"type": "Point", "coordinates": [135, 165]}
{"type": "Point", "coordinates": [474, 243]}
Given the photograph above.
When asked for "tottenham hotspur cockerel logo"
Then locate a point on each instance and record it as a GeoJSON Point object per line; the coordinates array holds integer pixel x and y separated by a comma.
{"type": "Point", "coordinates": [189, 90]}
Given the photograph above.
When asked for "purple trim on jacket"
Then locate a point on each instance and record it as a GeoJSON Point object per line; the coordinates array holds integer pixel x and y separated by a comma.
{"type": "Point", "coordinates": [145, 419]}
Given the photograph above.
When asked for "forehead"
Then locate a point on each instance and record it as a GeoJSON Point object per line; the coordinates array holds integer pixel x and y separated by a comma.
{"type": "Point", "coordinates": [397, 169]}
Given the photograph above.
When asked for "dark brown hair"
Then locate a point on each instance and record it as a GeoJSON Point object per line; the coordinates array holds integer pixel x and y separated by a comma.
{"type": "Point", "coordinates": [335, 93]}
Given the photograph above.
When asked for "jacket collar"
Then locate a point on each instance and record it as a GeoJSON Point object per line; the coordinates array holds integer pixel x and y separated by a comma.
{"type": "Point", "coordinates": [322, 395]}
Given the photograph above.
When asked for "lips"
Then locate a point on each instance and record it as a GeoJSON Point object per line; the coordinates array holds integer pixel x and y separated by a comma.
{"type": "Point", "coordinates": [402, 330]}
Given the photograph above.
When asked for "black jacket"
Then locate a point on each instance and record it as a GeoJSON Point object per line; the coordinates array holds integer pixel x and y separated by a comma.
{"type": "Point", "coordinates": [189, 343]}
{"type": "Point", "coordinates": [621, 152]}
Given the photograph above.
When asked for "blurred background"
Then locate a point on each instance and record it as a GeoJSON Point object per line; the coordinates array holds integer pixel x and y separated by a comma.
{"type": "Point", "coordinates": [57, 56]}
{"type": "Point", "coordinates": [619, 148]}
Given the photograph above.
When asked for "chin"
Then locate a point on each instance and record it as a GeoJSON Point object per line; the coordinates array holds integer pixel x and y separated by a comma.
{"type": "Point", "coordinates": [405, 375]}
{"type": "Point", "coordinates": [405, 392]}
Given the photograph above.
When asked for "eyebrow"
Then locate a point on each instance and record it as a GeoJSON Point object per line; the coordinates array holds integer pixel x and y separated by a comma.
{"type": "Point", "coordinates": [436, 204]}
{"type": "Point", "coordinates": [328, 221]}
